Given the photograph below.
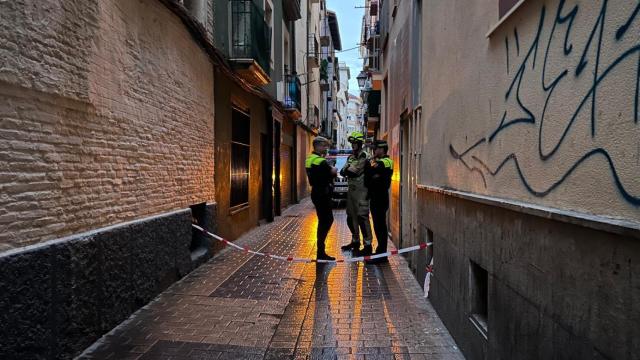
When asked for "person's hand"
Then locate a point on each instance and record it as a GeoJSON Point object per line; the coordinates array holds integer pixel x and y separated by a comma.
{"type": "Point", "coordinates": [374, 164]}
{"type": "Point", "coordinates": [344, 169]}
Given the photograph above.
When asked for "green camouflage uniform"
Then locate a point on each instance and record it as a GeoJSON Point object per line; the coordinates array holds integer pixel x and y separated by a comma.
{"type": "Point", "coordinates": [357, 202]}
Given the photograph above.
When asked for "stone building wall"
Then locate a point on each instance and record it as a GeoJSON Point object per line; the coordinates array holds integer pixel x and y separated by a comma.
{"type": "Point", "coordinates": [106, 117]}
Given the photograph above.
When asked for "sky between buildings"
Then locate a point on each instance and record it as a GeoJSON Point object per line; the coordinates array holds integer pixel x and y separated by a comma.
{"type": "Point", "coordinates": [350, 23]}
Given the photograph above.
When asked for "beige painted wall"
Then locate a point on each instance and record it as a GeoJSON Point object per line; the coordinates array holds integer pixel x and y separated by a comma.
{"type": "Point", "coordinates": [106, 115]}
{"type": "Point", "coordinates": [551, 158]}
{"type": "Point", "coordinates": [395, 100]}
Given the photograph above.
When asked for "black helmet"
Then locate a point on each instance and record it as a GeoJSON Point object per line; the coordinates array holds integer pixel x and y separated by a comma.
{"type": "Point", "coordinates": [380, 144]}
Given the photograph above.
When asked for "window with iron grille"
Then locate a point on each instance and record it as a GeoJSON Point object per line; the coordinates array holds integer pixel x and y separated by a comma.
{"type": "Point", "coordinates": [240, 150]}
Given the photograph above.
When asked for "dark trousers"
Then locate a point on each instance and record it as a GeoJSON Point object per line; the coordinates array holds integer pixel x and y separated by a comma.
{"type": "Point", "coordinates": [325, 218]}
{"type": "Point", "coordinates": [379, 207]}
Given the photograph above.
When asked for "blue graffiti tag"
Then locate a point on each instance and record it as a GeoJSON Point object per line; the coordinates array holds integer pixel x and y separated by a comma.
{"type": "Point", "coordinates": [594, 43]}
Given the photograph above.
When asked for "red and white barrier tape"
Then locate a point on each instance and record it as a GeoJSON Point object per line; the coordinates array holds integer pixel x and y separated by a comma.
{"type": "Point", "coordinates": [305, 260]}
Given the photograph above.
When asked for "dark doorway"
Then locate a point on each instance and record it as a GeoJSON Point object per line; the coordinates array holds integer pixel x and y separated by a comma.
{"type": "Point", "coordinates": [276, 172]}
{"type": "Point", "coordinates": [266, 212]}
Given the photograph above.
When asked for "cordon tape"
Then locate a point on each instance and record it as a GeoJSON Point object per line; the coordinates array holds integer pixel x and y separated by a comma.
{"type": "Point", "coordinates": [306, 260]}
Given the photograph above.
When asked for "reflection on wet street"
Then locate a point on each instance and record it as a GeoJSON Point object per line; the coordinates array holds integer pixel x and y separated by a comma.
{"type": "Point", "coordinates": [239, 306]}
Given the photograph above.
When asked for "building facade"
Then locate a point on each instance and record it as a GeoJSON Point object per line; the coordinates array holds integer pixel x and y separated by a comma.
{"type": "Point", "coordinates": [515, 145]}
{"type": "Point", "coordinates": [391, 53]}
{"type": "Point", "coordinates": [355, 115]}
{"type": "Point", "coordinates": [329, 82]}
{"type": "Point", "coordinates": [540, 165]}
{"type": "Point", "coordinates": [107, 146]}
{"type": "Point", "coordinates": [137, 119]}
{"type": "Point", "coordinates": [342, 104]}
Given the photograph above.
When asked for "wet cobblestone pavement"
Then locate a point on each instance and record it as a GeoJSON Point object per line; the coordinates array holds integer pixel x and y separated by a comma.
{"type": "Point", "coordinates": [239, 306]}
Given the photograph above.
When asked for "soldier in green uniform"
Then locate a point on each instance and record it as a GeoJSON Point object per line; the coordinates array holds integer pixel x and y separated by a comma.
{"type": "Point", "coordinates": [378, 173]}
{"type": "Point", "coordinates": [321, 175]}
{"type": "Point", "coordinates": [357, 203]}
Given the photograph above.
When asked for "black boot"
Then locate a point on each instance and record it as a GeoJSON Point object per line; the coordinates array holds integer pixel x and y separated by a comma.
{"type": "Point", "coordinates": [382, 260]}
{"type": "Point", "coordinates": [323, 256]}
{"type": "Point", "coordinates": [351, 247]}
{"type": "Point", "coordinates": [366, 251]}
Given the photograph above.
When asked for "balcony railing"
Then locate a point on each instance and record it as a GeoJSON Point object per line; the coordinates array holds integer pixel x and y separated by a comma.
{"type": "Point", "coordinates": [313, 116]}
{"type": "Point", "coordinates": [314, 51]}
{"type": "Point", "coordinates": [292, 93]}
{"type": "Point", "coordinates": [374, 30]}
{"type": "Point", "coordinates": [250, 34]}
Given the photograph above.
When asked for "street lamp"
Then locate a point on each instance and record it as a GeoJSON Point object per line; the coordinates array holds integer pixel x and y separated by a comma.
{"type": "Point", "coordinates": [362, 79]}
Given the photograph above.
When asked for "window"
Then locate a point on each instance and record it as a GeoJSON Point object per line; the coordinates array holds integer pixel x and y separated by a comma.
{"type": "Point", "coordinates": [268, 18]}
{"type": "Point", "coordinates": [240, 148]}
{"type": "Point", "coordinates": [479, 298]}
{"type": "Point", "coordinates": [505, 6]}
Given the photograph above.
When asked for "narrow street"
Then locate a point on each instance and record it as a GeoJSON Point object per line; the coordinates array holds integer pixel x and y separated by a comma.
{"type": "Point", "coordinates": [495, 142]}
{"type": "Point", "coordinates": [240, 306]}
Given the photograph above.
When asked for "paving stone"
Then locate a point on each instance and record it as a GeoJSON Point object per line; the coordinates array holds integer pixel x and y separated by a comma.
{"type": "Point", "coordinates": [239, 306]}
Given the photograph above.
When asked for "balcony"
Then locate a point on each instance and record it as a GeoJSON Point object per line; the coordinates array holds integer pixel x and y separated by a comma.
{"type": "Point", "coordinates": [314, 52]}
{"type": "Point", "coordinates": [373, 36]}
{"type": "Point", "coordinates": [324, 75]}
{"type": "Point", "coordinates": [372, 61]}
{"type": "Point", "coordinates": [373, 104]}
{"type": "Point", "coordinates": [325, 37]}
{"type": "Point", "coordinates": [250, 42]}
{"type": "Point", "coordinates": [292, 96]}
{"type": "Point", "coordinates": [373, 8]}
{"type": "Point", "coordinates": [324, 85]}
{"type": "Point", "coordinates": [313, 116]}
{"type": "Point", "coordinates": [375, 29]}
{"type": "Point", "coordinates": [291, 10]}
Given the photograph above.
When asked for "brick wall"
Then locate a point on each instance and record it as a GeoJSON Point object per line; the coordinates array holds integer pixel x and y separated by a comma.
{"type": "Point", "coordinates": [106, 116]}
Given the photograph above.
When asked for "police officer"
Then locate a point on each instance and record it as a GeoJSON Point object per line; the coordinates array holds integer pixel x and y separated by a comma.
{"type": "Point", "coordinates": [357, 203]}
{"type": "Point", "coordinates": [378, 174]}
{"type": "Point", "coordinates": [321, 175]}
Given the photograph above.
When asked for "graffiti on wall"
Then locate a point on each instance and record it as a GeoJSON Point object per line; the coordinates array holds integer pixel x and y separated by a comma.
{"type": "Point", "coordinates": [605, 54]}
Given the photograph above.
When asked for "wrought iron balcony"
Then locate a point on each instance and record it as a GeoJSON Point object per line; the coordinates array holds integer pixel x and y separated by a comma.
{"type": "Point", "coordinates": [250, 42]}
{"type": "Point", "coordinates": [292, 94]}
{"type": "Point", "coordinates": [314, 51]}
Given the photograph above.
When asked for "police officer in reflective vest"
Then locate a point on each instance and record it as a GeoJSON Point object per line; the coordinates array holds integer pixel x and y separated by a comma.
{"type": "Point", "coordinates": [321, 175]}
{"type": "Point", "coordinates": [378, 174]}
{"type": "Point", "coordinates": [357, 203]}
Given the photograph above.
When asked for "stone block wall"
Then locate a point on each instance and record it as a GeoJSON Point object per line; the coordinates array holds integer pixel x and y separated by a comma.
{"type": "Point", "coordinates": [57, 298]}
{"type": "Point", "coordinates": [106, 116]}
